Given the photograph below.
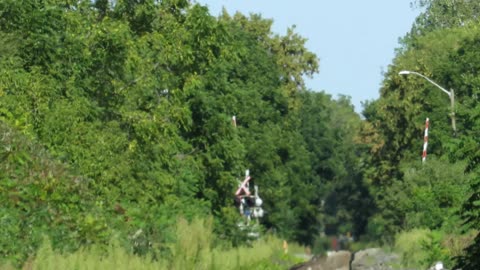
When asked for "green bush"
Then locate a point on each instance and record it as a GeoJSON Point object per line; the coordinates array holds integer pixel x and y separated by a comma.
{"type": "Point", "coordinates": [423, 247]}
{"type": "Point", "coordinates": [434, 249]}
{"type": "Point", "coordinates": [430, 195]}
{"type": "Point", "coordinates": [321, 244]}
{"type": "Point", "coordinates": [42, 197]}
{"type": "Point", "coordinates": [379, 228]}
{"type": "Point", "coordinates": [409, 245]}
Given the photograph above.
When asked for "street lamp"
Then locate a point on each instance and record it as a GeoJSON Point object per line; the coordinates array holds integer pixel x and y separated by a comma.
{"type": "Point", "coordinates": [450, 93]}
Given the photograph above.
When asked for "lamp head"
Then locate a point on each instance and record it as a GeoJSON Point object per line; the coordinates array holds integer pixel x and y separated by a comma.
{"type": "Point", "coordinates": [404, 72]}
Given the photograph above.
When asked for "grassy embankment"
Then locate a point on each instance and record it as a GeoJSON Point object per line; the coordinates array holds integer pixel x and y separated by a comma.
{"type": "Point", "coordinates": [193, 249]}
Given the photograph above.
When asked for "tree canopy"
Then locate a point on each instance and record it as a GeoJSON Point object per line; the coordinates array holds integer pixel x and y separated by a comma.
{"type": "Point", "coordinates": [136, 98]}
{"type": "Point", "coordinates": [116, 118]}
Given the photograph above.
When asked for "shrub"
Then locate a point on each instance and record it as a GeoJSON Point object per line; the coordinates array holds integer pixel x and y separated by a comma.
{"type": "Point", "coordinates": [422, 247]}
{"type": "Point", "coordinates": [409, 245]}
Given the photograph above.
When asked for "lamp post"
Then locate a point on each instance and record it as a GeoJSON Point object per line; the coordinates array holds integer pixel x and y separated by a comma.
{"type": "Point", "coordinates": [450, 93]}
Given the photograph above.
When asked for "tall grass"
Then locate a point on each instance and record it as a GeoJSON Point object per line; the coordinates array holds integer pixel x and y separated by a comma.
{"type": "Point", "coordinates": [93, 258]}
{"type": "Point", "coordinates": [192, 250]}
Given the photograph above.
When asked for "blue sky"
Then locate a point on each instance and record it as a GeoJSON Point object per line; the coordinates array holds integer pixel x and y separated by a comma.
{"type": "Point", "coordinates": [354, 40]}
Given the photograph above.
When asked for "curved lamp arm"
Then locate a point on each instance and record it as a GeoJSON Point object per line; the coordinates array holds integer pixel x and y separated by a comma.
{"type": "Point", "coordinates": [406, 72]}
{"type": "Point", "coordinates": [449, 93]}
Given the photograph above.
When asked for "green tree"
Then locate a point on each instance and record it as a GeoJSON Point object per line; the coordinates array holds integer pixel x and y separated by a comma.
{"type": "Point", "coordinates": [331, 130]}
{"type": "Point", "coordinates": [137, 98]}
{"type": "Point", "coordinates": [440, 46]}
{"type": "Point", "coordinates": [470, 214]}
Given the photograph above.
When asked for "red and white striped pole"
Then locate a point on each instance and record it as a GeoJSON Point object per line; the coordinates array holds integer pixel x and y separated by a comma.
{"type": "Point", "coordinates": [425, 141]}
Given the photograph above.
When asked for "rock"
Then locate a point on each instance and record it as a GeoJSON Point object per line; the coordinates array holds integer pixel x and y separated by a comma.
{"type": "Point", "coordinates": [367, 259]}
{"type": "Point", "coordinates": [335, 261]}
{"type": "Point", "coordinates": [375, 259]}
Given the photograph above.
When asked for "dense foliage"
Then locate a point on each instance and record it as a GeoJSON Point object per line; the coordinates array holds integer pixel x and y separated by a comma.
{"type": "Point", "coordinates": [116, 121]}
{"type": "Point", "coordinates": [134, 99]}
{"type": "Point", "coordinates": [443, 46]}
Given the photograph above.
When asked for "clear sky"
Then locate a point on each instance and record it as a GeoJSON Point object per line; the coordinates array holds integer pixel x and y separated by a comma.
{"type": "Point", "coordinates": [354, 40]}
